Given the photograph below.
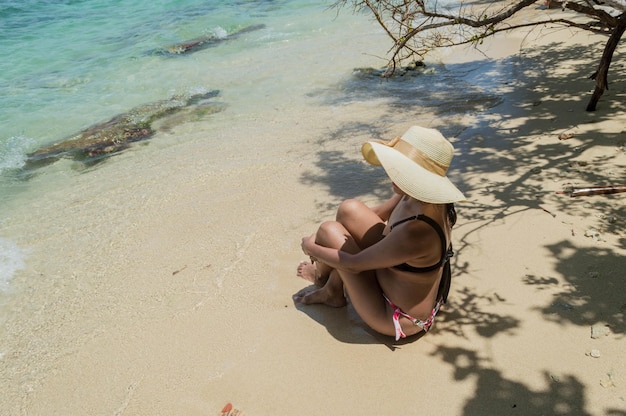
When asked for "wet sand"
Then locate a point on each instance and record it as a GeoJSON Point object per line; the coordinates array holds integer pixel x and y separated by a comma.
{"type": "Point", "coordinates": [171, 293]}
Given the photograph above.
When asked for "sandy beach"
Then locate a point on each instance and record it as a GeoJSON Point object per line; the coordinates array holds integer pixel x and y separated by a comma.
{"type": "Point", "coordinates": [172, 294]}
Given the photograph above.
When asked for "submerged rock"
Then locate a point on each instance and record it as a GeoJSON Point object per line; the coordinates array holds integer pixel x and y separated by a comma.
{"type": "Point", "coordinates": [203, 42]}
{"type": "Point", "coordinates": [413, 68]}
{"type": "Point", "coordinates": [114, 135]}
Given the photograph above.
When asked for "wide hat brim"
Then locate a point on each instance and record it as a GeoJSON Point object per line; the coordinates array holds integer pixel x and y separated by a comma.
{"type": "Point", "coordinates": [410, 177]}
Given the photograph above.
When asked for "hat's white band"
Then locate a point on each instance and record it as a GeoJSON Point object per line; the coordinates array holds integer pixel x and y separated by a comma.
{"type": "Point", "coordinates": [417, 156]}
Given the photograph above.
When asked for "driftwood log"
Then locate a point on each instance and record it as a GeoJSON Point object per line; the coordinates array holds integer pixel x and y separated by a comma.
{"type": "Point", "coordinates": [595, 190]}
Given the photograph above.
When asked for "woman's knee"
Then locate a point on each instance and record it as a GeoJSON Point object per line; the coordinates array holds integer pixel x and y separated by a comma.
{"type": "Point", "coordinates": [350, 209]}
{"type": "Point", "coordinates": [330, 233]}
{"type": "Point", "coordinates": [333, 234]}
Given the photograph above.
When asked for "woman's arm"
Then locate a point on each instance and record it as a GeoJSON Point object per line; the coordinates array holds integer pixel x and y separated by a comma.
{"type": "Point", "coordinates": [384, 210]}
{"type": "Point", "coordinates": [395, 248]}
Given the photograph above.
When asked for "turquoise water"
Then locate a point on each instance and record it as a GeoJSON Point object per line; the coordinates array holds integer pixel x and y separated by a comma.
{"type": "Point", "coordinates": [87, 247]}
{"type": "Point", "coordinates": [66, 65]}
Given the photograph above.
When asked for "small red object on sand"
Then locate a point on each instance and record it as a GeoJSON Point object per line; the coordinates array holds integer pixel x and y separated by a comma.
{"type": "Point", "coordinates": [227, 408]}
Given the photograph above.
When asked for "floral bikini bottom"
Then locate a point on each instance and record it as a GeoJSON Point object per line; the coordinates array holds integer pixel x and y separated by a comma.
{"type": "Point", "coordinates": [425, 325]}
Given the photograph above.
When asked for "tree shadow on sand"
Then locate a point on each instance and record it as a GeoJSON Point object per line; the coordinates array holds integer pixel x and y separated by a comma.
{"type": "Point", "coordinates": [496, 395]}
{"type": "Point", "coordinates": [518, 141]}
{"type": "Point", "coordinates": [595, 290]}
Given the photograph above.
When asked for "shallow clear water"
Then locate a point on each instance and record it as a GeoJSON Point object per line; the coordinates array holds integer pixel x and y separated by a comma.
{"type": "Point", "coordinates": [66, 65]}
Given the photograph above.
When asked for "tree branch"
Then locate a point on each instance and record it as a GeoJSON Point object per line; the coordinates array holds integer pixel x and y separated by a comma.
{"type": "Point", "coordinates": [418, 26]}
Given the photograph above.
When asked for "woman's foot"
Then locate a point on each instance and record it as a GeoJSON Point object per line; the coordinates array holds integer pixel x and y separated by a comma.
{"type": "Point", "coordinates": [310, 296]}
{"type": "Point", "coordinates": [308, 271]}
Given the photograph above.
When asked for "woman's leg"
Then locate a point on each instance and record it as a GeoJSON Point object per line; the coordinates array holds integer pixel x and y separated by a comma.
{"type": "Point", "coordinates": [365, 227]}
{"type": "Point", "coordinates": [363, 288]}
{"type": "Point", "coordinates": [330, 292]}
{"type": "Point", "coordinates": [366, 297]}
{"type": "Point", "coordinates": [363, 224]}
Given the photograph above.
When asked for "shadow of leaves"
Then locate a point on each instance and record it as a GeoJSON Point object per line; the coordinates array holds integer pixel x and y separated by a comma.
{"type": "Point", "coordinates": [496, 395]}
{"type": "Point", "coordinates": [595, 288]}
{"type": "Point", "coordinates": [515, 138]}
{"type": "Point", "coordinates": [464, 310]}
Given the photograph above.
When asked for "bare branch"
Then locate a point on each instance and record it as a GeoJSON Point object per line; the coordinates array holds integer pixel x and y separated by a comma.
{"type": "Point", "coordinates": [416, 27]}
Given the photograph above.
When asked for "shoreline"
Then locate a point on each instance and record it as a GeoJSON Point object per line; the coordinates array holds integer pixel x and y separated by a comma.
{"type": "Point", "coordinates": [177, 300]}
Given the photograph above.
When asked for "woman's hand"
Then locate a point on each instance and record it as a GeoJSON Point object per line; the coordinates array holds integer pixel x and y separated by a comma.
{"type": "Point", "coordinates": [307, 243]}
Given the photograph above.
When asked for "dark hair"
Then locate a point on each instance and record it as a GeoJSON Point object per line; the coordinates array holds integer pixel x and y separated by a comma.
{"type": "Point", "coordinates": [451, 214]}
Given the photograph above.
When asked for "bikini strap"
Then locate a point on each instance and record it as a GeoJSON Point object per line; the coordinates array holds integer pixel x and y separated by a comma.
{"type": "Point", "coordinates": [445, 253]}
{"type": "Point", "coordinates": [446, 276]}
{"type": "Point", "coordinates": [446, 280]}
{"type": "Point", "coordinates": [414, 217]}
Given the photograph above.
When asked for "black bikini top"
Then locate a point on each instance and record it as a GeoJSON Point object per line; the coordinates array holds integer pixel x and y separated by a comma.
{"type": "Point", "coordinates": [445, 254]}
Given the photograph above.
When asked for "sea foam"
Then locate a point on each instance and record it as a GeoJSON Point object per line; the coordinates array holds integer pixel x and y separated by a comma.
{"type": "Point", "coordinates": [13, 152]}
{"type": "Point", "coordinates": [12, 259]}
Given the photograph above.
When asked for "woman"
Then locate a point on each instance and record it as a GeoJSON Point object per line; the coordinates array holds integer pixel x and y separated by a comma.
{"type": "Point", "coordinates": [392, 260]}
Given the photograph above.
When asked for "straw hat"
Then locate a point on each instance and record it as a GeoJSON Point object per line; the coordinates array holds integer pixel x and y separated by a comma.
{"type": "Point", "coordinates": [417, 163]}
